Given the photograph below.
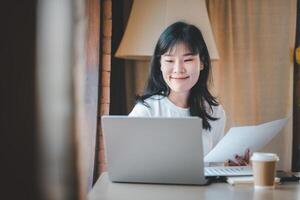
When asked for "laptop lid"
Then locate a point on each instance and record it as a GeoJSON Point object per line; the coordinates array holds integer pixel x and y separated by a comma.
{"type": "Point", "coordinates": [154, 150]}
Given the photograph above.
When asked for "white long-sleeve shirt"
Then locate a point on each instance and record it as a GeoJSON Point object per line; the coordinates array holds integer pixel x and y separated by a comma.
{"type": "Point", "coordinates": [160, 106]}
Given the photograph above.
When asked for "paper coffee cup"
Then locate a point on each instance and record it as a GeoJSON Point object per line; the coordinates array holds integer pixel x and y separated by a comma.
{"type": "Point", "coordinates": [264, 168]}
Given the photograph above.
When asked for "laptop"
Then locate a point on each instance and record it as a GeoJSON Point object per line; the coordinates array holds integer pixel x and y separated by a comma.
{"type": "Point", "coordinates": [158, 150]}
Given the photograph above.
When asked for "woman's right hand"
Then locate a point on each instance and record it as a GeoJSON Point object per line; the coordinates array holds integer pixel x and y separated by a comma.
{"type": "Point", "coordinates": [240, 160]}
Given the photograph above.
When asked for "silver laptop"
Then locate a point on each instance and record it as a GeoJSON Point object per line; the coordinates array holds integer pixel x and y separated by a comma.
{"type": "Point", "coordinates": [155, 150]}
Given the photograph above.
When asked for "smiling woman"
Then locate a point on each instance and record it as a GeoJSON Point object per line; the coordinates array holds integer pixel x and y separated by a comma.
{"type": "Point", "coordinates": [178, 82]}
{"type": "Point", "coordinates": [253, 75]}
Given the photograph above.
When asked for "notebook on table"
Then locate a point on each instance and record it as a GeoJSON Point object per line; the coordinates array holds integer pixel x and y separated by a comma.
{"type": "Point", "coordinates": [158, 150]}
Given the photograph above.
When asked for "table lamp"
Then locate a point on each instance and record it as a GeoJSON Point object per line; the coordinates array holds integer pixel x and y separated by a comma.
{"type": "Point", "coordinates": [148, 19]}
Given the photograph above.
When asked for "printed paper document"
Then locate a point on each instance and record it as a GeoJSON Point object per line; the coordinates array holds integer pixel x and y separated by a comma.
{"type": "Point", "coordinates": [238, 139]}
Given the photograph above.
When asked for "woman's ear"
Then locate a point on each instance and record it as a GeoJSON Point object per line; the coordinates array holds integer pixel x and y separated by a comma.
{"type": "Point", "coordinates": [201, 66]}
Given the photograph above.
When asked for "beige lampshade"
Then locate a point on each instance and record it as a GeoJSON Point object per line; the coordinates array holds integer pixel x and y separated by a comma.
{"type": "Point", "coordinates": [148, 19]}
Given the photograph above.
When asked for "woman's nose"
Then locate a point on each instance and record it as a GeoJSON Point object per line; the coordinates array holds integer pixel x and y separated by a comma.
{"type": "Point", "coordinates": [179, 67]}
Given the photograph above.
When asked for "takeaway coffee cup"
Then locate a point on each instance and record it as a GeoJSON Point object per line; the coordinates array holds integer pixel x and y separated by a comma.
{"type": "Point", "coordinates": [264, 168]}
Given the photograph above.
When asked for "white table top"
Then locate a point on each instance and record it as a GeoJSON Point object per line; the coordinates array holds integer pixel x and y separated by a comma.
{"type": "Point", "coordinates": [104, 189]}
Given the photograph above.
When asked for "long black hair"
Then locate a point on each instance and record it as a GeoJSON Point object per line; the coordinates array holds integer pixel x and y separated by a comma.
{"type": "Point", "coordinates": [199, 97]}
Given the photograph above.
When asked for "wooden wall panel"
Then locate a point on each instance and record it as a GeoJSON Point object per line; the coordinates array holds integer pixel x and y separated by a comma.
{"type": "Point", "coordinates": [104, 86]}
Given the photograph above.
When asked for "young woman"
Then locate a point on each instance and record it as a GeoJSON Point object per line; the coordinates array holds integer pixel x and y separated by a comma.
{"type": "Point", "coordinates": [179, 80]}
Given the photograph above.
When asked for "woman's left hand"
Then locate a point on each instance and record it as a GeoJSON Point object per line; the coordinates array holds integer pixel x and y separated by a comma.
{"type": "Point", "coordinates": [240, 160]}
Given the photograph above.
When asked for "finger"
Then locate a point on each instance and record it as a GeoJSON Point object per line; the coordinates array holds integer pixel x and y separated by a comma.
{"type": "Point", "coordinates": [226, 163]}
{"type": "Point", "coordinates": [237, 157]}
{"type": "Point", "coordinates": [247, 155]}
{"type": "Point", "coordinates": [238, 160]}
{"type": "Point", "coordinates": [232, 163]}
{"type": "Point", "coordinates": [241, 161]}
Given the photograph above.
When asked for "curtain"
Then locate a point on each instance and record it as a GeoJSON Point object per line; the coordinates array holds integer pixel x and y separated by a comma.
{"type": "Point", "coordinates": [253, 78]}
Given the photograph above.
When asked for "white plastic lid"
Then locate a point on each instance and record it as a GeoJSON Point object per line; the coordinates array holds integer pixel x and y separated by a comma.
{"type": "Point", "coordinates": [257, 156]}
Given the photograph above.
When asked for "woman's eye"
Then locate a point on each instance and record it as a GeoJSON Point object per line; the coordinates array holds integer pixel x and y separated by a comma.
{"type": "Point", "coordinates": [188, 60]}
{"type": "Point", "coordinates": [169, 61]}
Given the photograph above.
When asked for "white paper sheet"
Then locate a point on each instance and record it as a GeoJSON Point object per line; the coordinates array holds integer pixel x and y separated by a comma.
{"type": "Point", "coordinates": [238, 139]}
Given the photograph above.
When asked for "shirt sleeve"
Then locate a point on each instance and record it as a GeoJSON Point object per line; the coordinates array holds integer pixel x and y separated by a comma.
{"type": "Point", "coordinates": [140, 110]}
